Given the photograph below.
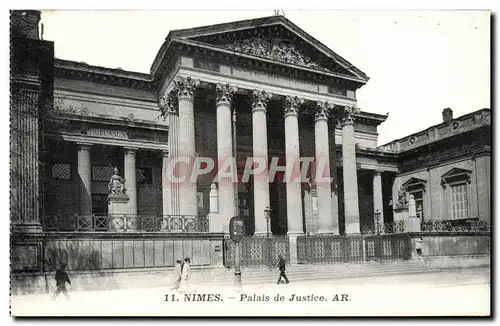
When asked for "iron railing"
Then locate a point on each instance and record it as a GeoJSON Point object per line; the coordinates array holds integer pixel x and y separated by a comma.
{"type": "Point", "coordinates": [386, 228]}
{"type": "Point", "coordinates": [469, 225]}
{"type": "Point", "coordinates": [120, 223]}
{"type": "Point", "coordinates": [326, 249]}
{"type": "Point", "coordinates": [258, 251]}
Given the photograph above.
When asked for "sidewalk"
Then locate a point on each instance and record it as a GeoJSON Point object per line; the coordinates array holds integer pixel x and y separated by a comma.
{"type": "Point", "coordinates": [460, 292]}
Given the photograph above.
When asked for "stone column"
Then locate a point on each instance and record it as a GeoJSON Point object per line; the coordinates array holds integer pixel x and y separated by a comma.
{"type": "Point", "coordinates": [292, 176]}
{"type": "Point", "coordinates": [225, 160]}
{"type": "Point", "coordinates": [323, 179]}
{"type": "Point", "coordinates": [168, 106]}
{"type": "Point", "coordinates": [261, 180]}
{"type": "Point", "coordinates": [130, 180]}
{"type": "Point", "coordinates": [185, 88]}
{"type": "Point", "coordinates": [377, 198]}
{"type": "Point", "coordinates": [351, 205]}
{"type": "Point", "coordinates": [85, 174]}
{"type": "Point", "coordinates": [166, 185]}
{"type": "Point", "coordinates": [293, 181]}
{"type": "Point", "coordinates": [25, 156]}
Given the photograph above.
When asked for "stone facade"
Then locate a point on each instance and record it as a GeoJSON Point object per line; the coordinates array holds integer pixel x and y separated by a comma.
{"type": "Point", "coordinates": [289, 96]}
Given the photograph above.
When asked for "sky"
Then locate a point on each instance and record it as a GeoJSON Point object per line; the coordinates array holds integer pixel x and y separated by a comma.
{"type": "Point", "coordinates": [419, 62]}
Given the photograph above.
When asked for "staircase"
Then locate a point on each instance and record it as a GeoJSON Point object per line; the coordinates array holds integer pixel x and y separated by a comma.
{"type": "Point", "coordinates": [351, 270]}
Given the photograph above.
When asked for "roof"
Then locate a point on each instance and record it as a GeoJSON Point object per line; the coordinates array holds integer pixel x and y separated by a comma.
{"type": "Point", "coordinates": [190, 33]}
{"type": "Point", "coordinates": [442, 130]}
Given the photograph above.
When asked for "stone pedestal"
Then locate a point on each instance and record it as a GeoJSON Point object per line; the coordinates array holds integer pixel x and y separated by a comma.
{"type": "Point", "coordinates": [401, 214]}
{"type": "Point", "coordinates": [117, 210]}
{"type": "Point", "coordinates": [413, 223]}
{"type": "Point", "coordinates": [292, 240]}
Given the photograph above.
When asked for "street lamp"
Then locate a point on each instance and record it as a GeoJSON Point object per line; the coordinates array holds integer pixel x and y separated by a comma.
{"type": "Point", "coordinates": [377, 219]}
{"type": "Point", "coordinates": [267, 214]}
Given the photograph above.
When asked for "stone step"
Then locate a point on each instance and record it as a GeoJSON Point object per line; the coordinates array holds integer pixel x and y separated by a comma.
{"type": "Point", "coordinates": [320, 276]}
{"type": "Point", "coordinates": [332, 271]}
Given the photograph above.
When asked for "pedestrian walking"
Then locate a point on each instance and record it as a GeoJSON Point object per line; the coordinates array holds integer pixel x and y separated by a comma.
{"type": "Point", "coordinates": [418, 246]}
{"type": "Point", "coordinates": [178, 274]}
{"type": "Point", "coordinates": [186, 275]}
{"type": "Point", "coordinates": [281, 265]}
{"type": "Point", "coordinates": [61, 279]}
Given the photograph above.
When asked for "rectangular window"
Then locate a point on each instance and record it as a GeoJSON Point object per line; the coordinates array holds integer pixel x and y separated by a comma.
{"type": "Point", "coordinates": [144, 176]}
{"type": "Point", "coordinates": [459, 201]}
{"type": "Point", "coordinates": [102, 173]}
{"type": "Point", "coordinates": [419, 203]}
{"type": "Point", "coordinates": [61, 172]}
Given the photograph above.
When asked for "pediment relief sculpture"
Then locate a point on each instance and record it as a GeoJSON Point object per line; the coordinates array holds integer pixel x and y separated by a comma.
{"type": "Point", "coordinates": [274, 48]}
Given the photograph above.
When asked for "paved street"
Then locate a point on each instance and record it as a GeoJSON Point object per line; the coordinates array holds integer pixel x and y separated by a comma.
{"type": "Point", "coordinates": [459, 292]}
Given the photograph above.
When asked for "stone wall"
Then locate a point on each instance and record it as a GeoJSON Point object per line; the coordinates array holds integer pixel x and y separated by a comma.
{"type": "Point", "coordinates": [453, 244]}
{"type": "Point", "coordinates": [93, 255]}
{"type": "Point", "coordinates": [436, 197]}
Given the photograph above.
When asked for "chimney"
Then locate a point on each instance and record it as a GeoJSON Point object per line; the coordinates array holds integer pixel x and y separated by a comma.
{"type": "Point", "coordinates": [447, 115]}
{"type": "Point", "coordinates": [24, 23]}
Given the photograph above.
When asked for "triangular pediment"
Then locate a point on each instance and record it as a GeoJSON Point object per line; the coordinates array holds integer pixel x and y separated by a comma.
{"type": "Point", "coordinates": [455, 172]}
{"type": "Point", "coordinates": [414, 182]}
{"type": "Point", "coordinates": [274, 38]}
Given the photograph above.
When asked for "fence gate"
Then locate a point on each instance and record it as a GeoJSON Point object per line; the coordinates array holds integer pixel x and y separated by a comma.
{"type": "Point", "coordinates": [388, 247]}
{"type": "Point", "coordinates": [257, 251]}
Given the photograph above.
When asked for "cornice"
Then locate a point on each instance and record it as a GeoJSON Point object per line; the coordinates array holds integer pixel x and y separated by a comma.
{"type": "Point", "coordinates": [101, 75]}
{"type": "Point", "coordinates": [194, 48]}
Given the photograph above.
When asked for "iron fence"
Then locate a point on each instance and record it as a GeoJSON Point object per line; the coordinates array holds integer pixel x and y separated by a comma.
{"type": "Point", "coordinates": [387, 247]}
{"type": "Point", "coordinates": [386, 228]}
{"type": "Point", "coordinates": [120, 223]}
{"type": "Point", "coordinates": [468, 225]}
{"type": "Point", "coordinates": [318, 249]}
{"type": "Point", "coordinates": [257, 250]}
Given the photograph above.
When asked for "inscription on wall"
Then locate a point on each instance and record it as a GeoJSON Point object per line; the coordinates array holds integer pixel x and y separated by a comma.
{"type": "Point", "coordinates": [106, 133]}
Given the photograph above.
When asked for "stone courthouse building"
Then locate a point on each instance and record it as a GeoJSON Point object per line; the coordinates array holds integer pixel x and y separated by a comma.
{"type": "Point", "coordinates": [285, 94]}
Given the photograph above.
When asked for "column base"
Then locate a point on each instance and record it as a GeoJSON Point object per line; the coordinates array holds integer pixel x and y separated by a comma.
{"type": "Point", "coordinates": [26, 227]}
{"type": "Point", "coordinates": [352, 228]}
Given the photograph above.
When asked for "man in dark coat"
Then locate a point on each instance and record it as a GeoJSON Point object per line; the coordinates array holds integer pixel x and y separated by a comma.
{"type": "Point", "coordinates": [61, 280]}
{"type": "Point", "coordinates": [281, 265]}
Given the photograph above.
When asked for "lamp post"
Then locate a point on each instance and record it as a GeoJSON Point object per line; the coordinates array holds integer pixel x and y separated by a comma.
{"type": "Point", "coordinates": [237, 263]}
{"type": "Point", "coordinates": [377, 219]}
{"type": "Point", "coordinates": [267, 214]}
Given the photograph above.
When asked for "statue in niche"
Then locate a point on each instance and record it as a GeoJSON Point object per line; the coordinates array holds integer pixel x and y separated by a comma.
{"type": "Point", "coordinates": [116, 184]}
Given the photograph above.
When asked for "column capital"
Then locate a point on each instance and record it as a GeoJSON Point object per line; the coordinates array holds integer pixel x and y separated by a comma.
{"type": "Point", "coordinates": [84, 146]}
{"type": "Point", "coordinates": [349, 114]}
{"type": "Point", "coordinates": [168, 104]}
{"type": "Point", "coordinates": [323, 109]}
{"type": "Point", "coordinates": [260, 100]}
{"type": "Point", "coordinates": [224, 94]}
{"type": "Point", "coordinates": [130, 150]}
{"type": "Point", "coordinates": [165, 152]}
{"type": "Point", "coordinates": [291, 105]}
{"type": "Point", "coordinates": [185, 87]}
